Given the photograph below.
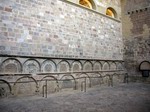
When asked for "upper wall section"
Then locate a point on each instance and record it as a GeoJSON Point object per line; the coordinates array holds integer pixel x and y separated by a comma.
{"type": "Point", "coordinates": [52, 28]}
{"type": "Point", "coordinates": [133, 5]}
{"type": "Point", "coordinates": [136, 33]}
{"type": "Point", "coordinates": [102, 5]}
{"type": "Point", "coordinates": [136, 18]}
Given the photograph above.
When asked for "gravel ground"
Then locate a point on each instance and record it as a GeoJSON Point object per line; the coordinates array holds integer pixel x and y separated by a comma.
{"type": "Point", "coordinates": [132, 97]}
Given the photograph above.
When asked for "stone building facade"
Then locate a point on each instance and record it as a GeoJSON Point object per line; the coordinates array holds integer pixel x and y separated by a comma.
{"type": "Point", "coordinates": [63, 44]}
{"type": "Point", "coordinates": [136, 34]}
{"type": "Point", "coordinates": [58, 29]}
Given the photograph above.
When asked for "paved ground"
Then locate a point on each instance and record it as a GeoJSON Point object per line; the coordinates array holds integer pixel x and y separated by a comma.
{"type": "Point", "coordinates": [134, 97]}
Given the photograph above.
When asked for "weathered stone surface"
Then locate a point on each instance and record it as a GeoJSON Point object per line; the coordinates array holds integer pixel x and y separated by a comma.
{"type": "Point", "coordinates": [136, 34]}
{"type": "Point", "coordinates": [58, 29]}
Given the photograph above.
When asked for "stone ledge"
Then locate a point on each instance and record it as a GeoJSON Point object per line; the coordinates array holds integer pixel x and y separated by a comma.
{"type": "Point", "coordinates": [92, 10]}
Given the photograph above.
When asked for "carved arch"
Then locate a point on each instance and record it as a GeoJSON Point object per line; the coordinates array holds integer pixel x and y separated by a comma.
{"type": "Point", "coordinates": [9, 86]}
{"type": "Point", "coordinates": [84, 65]}
{"type": "Point", "coordinates": [64, 61]}
{"type": "Point", "coordinates": [75, 83]}
{"type": "Point", "coordinates": [96, 76]}
{"type": "Point", "coordinates": [20, 64]}
{"type": "Point", "coordinates": [76, 62]}
{"type": "Point", "coordinates": [87, 77]}
{"type": "Point", "coordinates": [28, 60]}
{"type": "Point", "coordinates": [107, 65]}
{"type": "Point", "coordinates": [119, 66]}
{"type": "Point", "coordinates": [53, 77]}
{"type": "Point", "coordinates": [47, 60]}
{"type": "Point", "coordinates": [113, 66]}
{"type": "Point", "coordinates": [98, 63]}
{"type": "Point", "coordinates": [26, 77]}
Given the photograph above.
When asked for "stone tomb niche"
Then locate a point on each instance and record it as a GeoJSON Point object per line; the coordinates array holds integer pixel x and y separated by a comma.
{"type": "Point", "coordinates": [52, 85]}
{"type": "Point", "coordinates": [113, 66]}
{"type": "Point", "coordinates": [4, 89]}
{"type": "Point", "coordinates": [119, 66]}
{"type": "Point", "coordinates": [117, 78]}
{"type": "Point", "coordinates": [96, 79]}
{"type": "Point", "coordinates": [105, 66]}
{"type": "Point", "coordinates": [67, 82]}
{"type": "Point", "coordinates": [106, 80]}
{"type": "Point", "coordinates": [48, 66]}
{"type": "Point", "coordinates": [63, 66]}
{"type": "Point", "coordinates": [81, 80]}
{"type": "Point", "coordinates": [11, 66]}
{"type": "Point", "coordinates": [25, 86]}
{"type": "Point", "coordinates": [87, 66]}
{"type": "Point", "coordinates": [31, 66]}
{"type": "Point", "coordinates": [76, 66]}
{"type": "Point", "coordinates": [97, 66]}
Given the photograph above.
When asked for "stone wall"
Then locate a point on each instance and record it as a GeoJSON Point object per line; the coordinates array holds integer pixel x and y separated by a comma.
{"type": "Point", "coordinates": [136, 34]}
{"type": "Point", "coordinates": [49, 65]}
{"type": "Point", "coordinates": [28, 76]}
{"type": "Point", "coordinates": [102, 5]}
{"type": "Point", "coordinates": [52, 28]}
{"type": "Point", "coordinates": [56, 37]}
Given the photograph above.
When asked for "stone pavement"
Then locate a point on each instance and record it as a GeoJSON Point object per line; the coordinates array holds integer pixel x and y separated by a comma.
{"type": "Point", "coordinates": [132, 97]}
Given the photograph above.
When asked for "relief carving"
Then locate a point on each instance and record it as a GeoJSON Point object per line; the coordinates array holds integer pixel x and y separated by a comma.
{"type": "Point", "coordinates": [31, 66]}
